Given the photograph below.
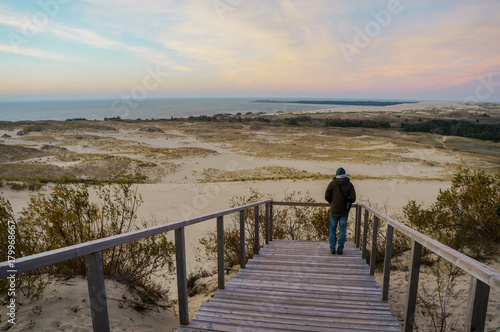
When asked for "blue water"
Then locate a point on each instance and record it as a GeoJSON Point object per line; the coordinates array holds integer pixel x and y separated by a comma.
{"type": "Point", "coordinates": [145, 109]}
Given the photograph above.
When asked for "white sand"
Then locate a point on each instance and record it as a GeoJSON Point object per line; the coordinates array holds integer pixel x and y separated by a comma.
{"type": "Point", "coordinates": [393, 108]}
{"type": "Point", "coordinates": [181, 195]}
{"type": "Point", "coordinates": [65, 307]}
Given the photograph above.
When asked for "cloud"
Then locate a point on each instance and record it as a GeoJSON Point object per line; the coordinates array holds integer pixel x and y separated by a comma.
{"type": "Point", "coordinates": [10, 20]}
{"type": "Point", "coordinates": [85, 37]}
{"type": "Point", "coordinates": [34, 53]}
{"type": "Point", "coordinates": [93, 39]}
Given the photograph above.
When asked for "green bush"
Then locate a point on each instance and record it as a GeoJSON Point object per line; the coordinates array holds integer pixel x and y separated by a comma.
{"type": "Point", "coordinates": [465, 217]}
{"type": "Point", "coordinates": [456, 128]}
{"type": "Point", "coordinates": [68, 217]}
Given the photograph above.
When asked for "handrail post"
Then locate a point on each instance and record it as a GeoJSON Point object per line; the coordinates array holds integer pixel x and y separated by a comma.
{"type": "Point", "coordinates": [267, 223]}
{"type": "Point", "coordinates": [411, 298]}
{"type": "Point", "coordinates": [242, 239]}
{"type": "Point", "coordinates": [357, 226]}
{"type": "Point", "coordinates": [182, 293]}
{"type": "Point", "coordinates": [365, 234]}
{"type": "Point", "coordinates": [97, 292]}
{"type": "Point", "coordinates": [477, 306]}
{"type": "Point", "coordinates": [256, 246]}
{"type": "Point", "coordinates": [220, 252]}
{"type": "Point", "coordinates": [387, 263]}
{"type": "Point", "coordinates": [271, 227]}
{"type": "Point", "coordinates": [373, 254]}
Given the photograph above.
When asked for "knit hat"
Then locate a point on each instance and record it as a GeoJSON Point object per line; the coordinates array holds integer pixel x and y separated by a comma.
{"type": "Point", "coordinates": [340, 171]}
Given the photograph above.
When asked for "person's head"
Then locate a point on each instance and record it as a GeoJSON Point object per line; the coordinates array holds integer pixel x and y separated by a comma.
{"type": "Point", "coordinates": [340, 171]}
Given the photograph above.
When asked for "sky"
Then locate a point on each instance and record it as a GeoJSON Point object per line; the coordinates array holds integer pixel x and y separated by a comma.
{"type": "Point", "coordinates": [364, 49]}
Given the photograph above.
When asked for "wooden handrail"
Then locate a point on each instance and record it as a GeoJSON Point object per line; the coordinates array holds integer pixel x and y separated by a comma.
{"type": "Point", "coordinates": [478, 270]}
{"type": "Point", "coordinates": [28, 263]}
{"type": "Point", "coordinates": [92, 252]}
{"type": "Point", "coordinates": [482, 276]}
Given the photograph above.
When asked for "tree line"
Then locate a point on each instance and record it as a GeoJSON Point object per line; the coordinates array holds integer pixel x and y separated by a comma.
{"type": "Point", "coordinates": [456, 128]}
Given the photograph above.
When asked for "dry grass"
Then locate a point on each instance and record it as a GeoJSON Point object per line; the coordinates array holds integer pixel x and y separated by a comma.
{"type": "Point", "coordinates": [11, 153]}
{"type": "Point", "coordinates": [311, 140]}
{"type": "Point", "coordinates": [177, 153]}
{"type": "Point", "coordinates": [260, 174]}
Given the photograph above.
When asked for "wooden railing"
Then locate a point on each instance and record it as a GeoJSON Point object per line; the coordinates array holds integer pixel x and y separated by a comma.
{"type": "Point", "coordinates": [482, 276]}
{"type": "Point", "coordinates": [93, 259]}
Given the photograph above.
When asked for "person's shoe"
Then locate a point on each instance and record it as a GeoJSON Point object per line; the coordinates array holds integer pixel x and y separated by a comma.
{"type": "Point", "coordinates": [332, 251]}
{"type": "Point", "coordinates": [340, 252]}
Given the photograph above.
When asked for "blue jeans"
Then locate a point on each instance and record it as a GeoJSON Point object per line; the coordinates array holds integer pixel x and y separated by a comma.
{"type": "Point", "coordinates": [341, 220]}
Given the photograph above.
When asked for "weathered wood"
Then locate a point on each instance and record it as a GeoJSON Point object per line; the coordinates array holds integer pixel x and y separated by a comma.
{"type": "Point", "coordinates": [242, 240]}
{"type": "Point", "coordinates": [180, 259]}
{"type": "Point", "coordinates": [365, 235]}
{"type": "Point", "coordinates": [97, 292]}
{"type": "Point", "coordinates": [357, 227]}
{"type": "Point", "coordinates": [256, 246]}
{"type": "Point", "coordinates": [373, 254]}
{"type": "Point", "coordinates": [480, 271]}
{"type": "Point", "coordinates": [293, 296]}
{"type": "Point", "coordinates": [267, 223]}
{"type": "Point", "coordinates": [220, 252]}
{"type": "Point", "coordinates": [304, 204]}
{"type": "Point", "coordinates": [271, 224]}
{"type": "Point", "coordinates": [307, 312]}
{"type": "Point", "coordinates": [28, 263]}
{"type": "Point", "coordinates": [387, 263]}
{"type": "Point", "coordinates": [411, 297]}
{"type": "Point", "coordinates": [477, 307]}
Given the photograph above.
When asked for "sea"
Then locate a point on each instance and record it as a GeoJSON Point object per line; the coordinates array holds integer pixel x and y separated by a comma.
{"type": "Point", "coordinates": [145, 109]}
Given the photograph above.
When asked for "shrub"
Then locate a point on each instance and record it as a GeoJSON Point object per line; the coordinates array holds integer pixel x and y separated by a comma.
{"type": "Point", "coordinates": [456, 128]}
{"type": "Point", "coordinates": [464, 217]}
{"type": "Point", "coordinates": [67, 217]}
{"type": "Point", "coordinates": [337, 122]}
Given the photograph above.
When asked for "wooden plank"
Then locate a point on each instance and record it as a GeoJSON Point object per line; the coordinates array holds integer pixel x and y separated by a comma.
{"type": "Point", "coordinates": [294, 320]}
{"type": "Point", "coordinates": [231, 325]}
{"type": "Point", "coordinates": [97, 292]}
{"type": "Point", "coordinates": [221, 267]}
{"type": "Point", "coordinates": [477, 306]}
{"type": "Point", "coordinates": [293, 296]}
{"type": "Point", "coordinates": [308, 279]}
{"type": "Point", "coordinates": [411, 298]}
{"type": "Point", "coordinates": [302, 311]}
{"type": "Point", "coordinates": [387, 263]}
{"type": "Point", "coordinates": [182, 293]}
{"type": "Point", "coordinates": [322, 310]}
{"type": "Point", "coordinates": [341, 298]}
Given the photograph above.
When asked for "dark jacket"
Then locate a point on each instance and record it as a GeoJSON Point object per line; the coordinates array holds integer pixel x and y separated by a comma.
{"type": "Point", "coordinates": [335, 198]}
